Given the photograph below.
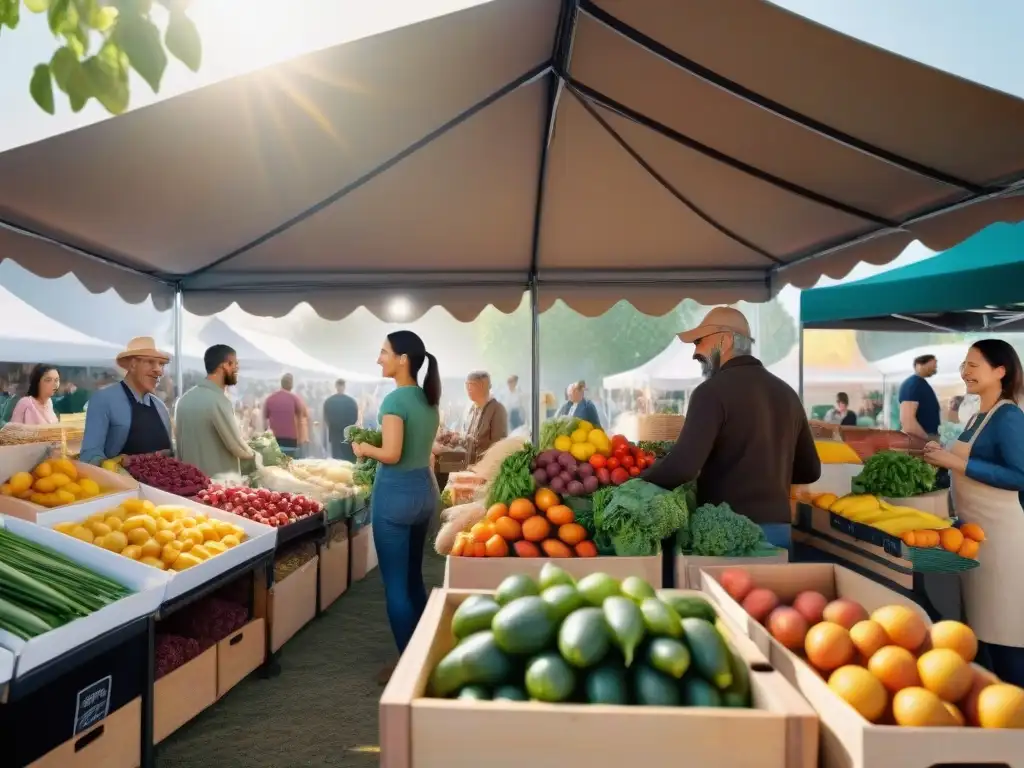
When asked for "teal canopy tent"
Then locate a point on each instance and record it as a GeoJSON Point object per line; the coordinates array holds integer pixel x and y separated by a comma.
{"type": "Point", "coordinates": [977, 285]}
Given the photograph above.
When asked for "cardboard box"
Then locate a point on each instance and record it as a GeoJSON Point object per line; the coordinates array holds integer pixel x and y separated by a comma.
{"type": "Point", "coordinates": [935, 503]}
{"type": "Point", "coordinates": [420, 732]}
{"type": "Point", "coordinates": [184, 693]}
{"type": "Point", "coordinates": [489, 572]}
{"type": "Point", "coordinates": [25, 458]}
{"type": "Point", "coordinates": [334, 557]}
{"type": "Point", "coordinates": [363, 553]}
{"type": "Point", "coordinates": [240, 653]}
{"type": "Point", "coordinates": [259, 538]}
{"type": "Point", "coordinates": [847, 739]}
{"type": "Point", "coordinates": [114, 742]}
{"type": "Point", "coordinates": [291, 604]}
{"type": "Point", "coordinates": [688, 567]}
{"type": "Point", "coordinates": [148, 584]}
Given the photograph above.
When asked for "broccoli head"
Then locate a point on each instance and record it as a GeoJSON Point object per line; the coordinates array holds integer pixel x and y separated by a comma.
{"type": "Point", "coordinates": [717, 531]}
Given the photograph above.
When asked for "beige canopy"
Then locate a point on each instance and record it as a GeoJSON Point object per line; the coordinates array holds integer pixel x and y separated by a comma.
{"type": "Point", "coordinates": [648, 150]}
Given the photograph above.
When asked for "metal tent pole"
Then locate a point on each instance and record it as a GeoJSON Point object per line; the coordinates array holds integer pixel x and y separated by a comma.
{"type": "Point", "coordinates": [177, 320]}
{"type": "Point", "coordinates": [800, 365]}
{"type": "Point", "coordinates": [535, 358]}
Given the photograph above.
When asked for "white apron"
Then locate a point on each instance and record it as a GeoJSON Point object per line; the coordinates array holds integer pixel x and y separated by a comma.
{"type": "Point", "coordinates": [991, 590]}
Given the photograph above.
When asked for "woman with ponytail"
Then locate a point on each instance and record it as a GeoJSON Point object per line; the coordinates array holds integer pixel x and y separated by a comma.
{"type": "Point", "coordinates": [404, 495]}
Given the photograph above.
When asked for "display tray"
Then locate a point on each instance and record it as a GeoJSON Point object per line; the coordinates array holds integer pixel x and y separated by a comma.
{"type": "Point", "coordinates": [259, 538]}
{"type": "Point", "coordinates": [306, 526]}
{"type": "Point", "coordinates": [489, 572]}
{"type": "Point", "coordinates": [847, 739]}
{"type": "Point", "coordinates": [417, 732]}
{"type": "Point", "coordinates": [148, 584]}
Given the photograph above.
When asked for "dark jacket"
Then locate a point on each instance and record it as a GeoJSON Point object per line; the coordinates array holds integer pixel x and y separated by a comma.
{"type": "Point", "coordinates": [340, 412]}
{"type": "Point", "coordinates": [585, 411]}
{"type": "Point", "coordinates": [746, 440]}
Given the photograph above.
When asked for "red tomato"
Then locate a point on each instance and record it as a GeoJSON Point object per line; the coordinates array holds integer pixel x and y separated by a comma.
{"type": "Point", "coordinates": [619, 476]}
{"type": "Point", "coordinates": [637, 453]}
{"type": "Point", "coordinates": [620, 451]}
{"type": "Point", "coordinates": [612, 463]}
{"type": "Point", "coordinates": [618, 440]}
{"type": "Point", "coordinates": [641, 463]}
{"type": "Point", "coordinates": [634, 471]}
{"type": "Point", "coordinates": [597, 461]}
{"type": "Point", "coordinates": [627, 461]}
{"type": "Point", "coordinates": [651, 458]}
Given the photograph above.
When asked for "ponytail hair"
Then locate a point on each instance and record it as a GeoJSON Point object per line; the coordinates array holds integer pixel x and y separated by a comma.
{"type": "Point", "coordinates": [409, 344]}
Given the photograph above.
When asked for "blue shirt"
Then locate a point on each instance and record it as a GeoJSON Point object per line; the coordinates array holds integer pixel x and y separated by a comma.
{"type": "Point", "coordinates": [997, 456]}
{"type": "Point", "coordinates": [917, 390]}
{"type": "Point", "coordinates": [108, 418]}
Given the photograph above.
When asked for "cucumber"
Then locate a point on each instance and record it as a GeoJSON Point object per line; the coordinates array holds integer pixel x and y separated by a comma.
{"type": "Point", "coordinates": [688, 606]}
{"type": "Point", "coordinates": [660, 619]}
{"type": "Point", "coordinates": [583, 639]}
{"type": "Point", "coordinates": [607, 683]}
{"type": "Point", "coordinates": [510, 693]}
{"type": "Point", "coordinates": [477, 692]}
{"type": "Point", "coordinates": [476, 660]}
{"type": "Point", "coordinates": [636, 589]}
{"type": "Point", "coordinates": [668, 656]}
{"type": "Point", "coordinates": [738, 693]}
{"type": "Point", "coordinates": [524, 626]}
{"type": "Point", "coordinates": [474, 615]}
{"type": "Point", "coordinates": [563, 599]}
{"type": "Point", "coordinates": [698, 692]}
{"type": "Point", "coordinates": [551, 575]}
{"type": "Point", "coordinates": [711, 657]}
{"type": "Point", "coordinates": [626, 623]}
{"type": "Point", "coordinates": [595, 587]}
{"type": "Point", "coordinates": [515, 586]}
{"type": "Point", "coordinates": [549, 678]}
{"type": "Point", "coordinates": [651, 688]}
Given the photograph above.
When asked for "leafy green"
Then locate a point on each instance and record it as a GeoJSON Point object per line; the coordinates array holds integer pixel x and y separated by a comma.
{"type": "Point", "coordinates": [895, 475]}
{"type": "Point", "coordinates": [356, 434]}
{"type": "Point", "coordinates": [638, 516]}
{"type": "Point", "coordinates": [446, 498]}
{"type": "Point", "coordinates": [515, 479]}
{"type": "Point", "coordinates": [365, 472]}
{"type": "Point", "coordinates": [717, 531]}
{"type": "Point", "coordinates": [554, 428]}
{"type": "Point", "coordinates": [658, 447]}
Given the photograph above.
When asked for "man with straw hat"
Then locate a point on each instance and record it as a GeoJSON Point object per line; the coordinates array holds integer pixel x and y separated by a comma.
{"type": "Point", "coordinates": [128, 418]}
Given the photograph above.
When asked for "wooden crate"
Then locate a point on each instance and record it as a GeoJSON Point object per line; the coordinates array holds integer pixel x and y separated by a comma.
{"type": "Point", "coordinates": [656, 427]}
{"type": "Point", "coordinates": [489, 572]}
{"type": "Point", "coordinates": [419, 732]}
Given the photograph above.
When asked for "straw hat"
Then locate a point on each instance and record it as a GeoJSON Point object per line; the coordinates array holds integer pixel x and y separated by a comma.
{"type": "Point", "coordinates": [718, 320]}
{"type": "Point", "coordinates": [142, 346]}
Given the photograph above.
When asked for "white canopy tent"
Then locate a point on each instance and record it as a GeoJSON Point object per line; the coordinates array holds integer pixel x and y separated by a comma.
{"type": "Point", "coordinates": [948, 356]}
{"type": "Point", "coordinates": [29, 336]}
{"type": "Point", "coordinates": [585, 150]}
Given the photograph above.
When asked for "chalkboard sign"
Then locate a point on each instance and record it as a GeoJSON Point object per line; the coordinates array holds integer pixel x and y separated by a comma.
{"type": "Point", "coordinates": [93, 704]}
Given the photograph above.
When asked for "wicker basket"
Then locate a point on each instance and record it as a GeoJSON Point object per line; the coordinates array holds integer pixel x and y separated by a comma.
{"type": "Point", "coordinates": [656, 427]}
{"type": "Point", "coordinates": [22, 434]}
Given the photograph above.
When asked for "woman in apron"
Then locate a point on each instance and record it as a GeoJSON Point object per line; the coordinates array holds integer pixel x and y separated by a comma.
{"type": "Point", "coordinates": [987, 467]}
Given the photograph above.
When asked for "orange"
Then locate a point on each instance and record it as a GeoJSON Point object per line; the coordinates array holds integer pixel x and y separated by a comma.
{"type": "Point", "coordinates": [586, 549]}
{"type": "Point", "coordinates": [920, 708]}
{"type": "Point", "coordinates": [536, 528]}
{"type": "Point", "coordinates": [861, 690]}
{"type": "Point", "coordinates": [828, 646]}
{"type": "Point", "coordinates": [521, 509]}
{"type": "Point", "coordinates": [982, 679]}
{"type": "Point", "coordinates": [868, 637]}
{"type": "Point", "coordinates": [509, 529]}
{"type": "Point", "coordinates": [496, 512]}
{"type": "Point", "coordinates": [479, 549]}
{"type": "Point", "coordinates": [482, 531]}
{"type": "Point", "coordinates": [545, 499]}
{"type": "Point", "coordinates": [555, 548]}
{"type": "Point", "coordinates": [909, 539]}
{"type": "Point", "coordinates": [972, 531]}
{"type": "Point", "coordinates": [458, 547]}
{"type": "Point", "coordinates": [895, 668]}
{"type": "Point", "coordinates": [903, 625]}
{"type": "Point", "coordinates": [572, 533]}
{"type": "Point", "coordinates": [496, 546]}
{"type": "Point", "coordinates": [1001, 706]}
{"type": "Point", "coordinates": [526, 549]}
{"type": "Point", "coordinates": [945, 673]}
{"type": "Point", "coordinates": [951, 539]}
{"type": "Point", "coordinates": [957, 637]}
{"type": "Point", "coordinates": [956, 713]}
{"type": "Point", "coordinates": [560, 515]}
{"type": "Point", "coordinates": [926, 539]}
{"type": "Point", "coordinates": [969, 549]}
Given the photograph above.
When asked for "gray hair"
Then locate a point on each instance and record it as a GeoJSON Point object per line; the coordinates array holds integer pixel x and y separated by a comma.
{"type": "Point", "coordinates": [479, 376]}
{"type": "Point", "coordinates": [742, 345]}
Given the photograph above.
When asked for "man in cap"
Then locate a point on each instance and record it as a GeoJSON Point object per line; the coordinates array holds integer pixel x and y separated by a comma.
{"type": "Point", "coordinates": [128, 418]}
{"type": "Point", "coordinates": [746, 439]}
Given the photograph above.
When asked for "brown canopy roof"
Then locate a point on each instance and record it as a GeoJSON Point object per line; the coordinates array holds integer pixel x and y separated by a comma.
{"type": "Point", "coordinates": [650, 150]}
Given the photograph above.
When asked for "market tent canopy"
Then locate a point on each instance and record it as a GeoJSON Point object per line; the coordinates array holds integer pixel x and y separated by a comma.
{"type": "Point", "coordinates": [647, 150]}
{"type": "Point", "coordinates": [670, 370]}
{"type": "Point", "coordinates": [29, 336]}
{"type": "Point", "coordinates": [977, 285]}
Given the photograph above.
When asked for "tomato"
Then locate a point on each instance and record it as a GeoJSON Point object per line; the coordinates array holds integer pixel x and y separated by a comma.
{"type": "Point", "coordinates": [627, 461]}
{"type": "Point", "coordinates": [620, 451]}
{"type": "Point", "coordinates": [637, 453]}
{"type": "Point", "coordinates": [641, 463]}
{"type": "Point", "coordinates": [634, 471]}
{"type": "Point", "coordinates": [618, 440]}
{"type": "Point", "coordinates": [612, 463]}
{"type": "Point", "coordinates": [619, 476]}
{"type": "Point", "coordinates": [597, 461]}
{"type": "Point", "coordinates": [651, 458]}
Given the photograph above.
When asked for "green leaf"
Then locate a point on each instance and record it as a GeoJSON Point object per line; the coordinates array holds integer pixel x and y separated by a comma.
{"type": "Point", "coordinates": [79, 89]}
{"type": "Point", "coordinates": [62, 65]}
{"type": "Point", "coordinates": [139, 38]}
{"type": "Point", "coordinates": [103, 18]}
{"type": "Point", "coordinates": [36, 6]}
{"type": "Point", "coordinates": [59, 14]}
{"type": "Point", "coordinates": [183, 40]}
{"type": "Point", "coordinates": [10, 13]}
{"type": "Point", "coordinates": [108, 80]}
{"type": "Point", "coordinates": [41, 88]}
{"type": "Point", "coordinates": [78, 40]}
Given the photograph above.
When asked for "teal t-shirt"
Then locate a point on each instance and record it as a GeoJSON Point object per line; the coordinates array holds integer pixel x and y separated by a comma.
{"type": "Point", "coordinates": [421, 422]}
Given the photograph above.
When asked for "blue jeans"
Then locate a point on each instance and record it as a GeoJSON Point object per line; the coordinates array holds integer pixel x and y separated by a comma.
{"type": "Point", "coordinates": [401, 507]}
{"type": "Point", "coordinates": [779, 535]}
{"type": "Point", "coordinates": [1005, 662]}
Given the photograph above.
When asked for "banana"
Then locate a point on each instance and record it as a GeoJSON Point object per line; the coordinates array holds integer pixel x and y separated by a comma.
{"type": "Point", "coordinates": [862, 501]}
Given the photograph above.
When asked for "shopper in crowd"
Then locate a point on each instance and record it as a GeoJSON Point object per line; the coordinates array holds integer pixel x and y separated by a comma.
{"type": "Point", "coordinates": [486, 420]}
{"type": "Point", "coordinates": [515, 403]}
{"type": "Point", "coordinates": [282, 411]}
{"type": "Point", "coordinates": [73, 400]}
{"type": "Point", "coordinates": [405, 496]}
{"type": "Point", "coordinates": [578, 406]}
{"type": "Point", "coordinates": [341, 411]}
{"type": "Point", "coordinates": [746, 439]}
{"type": "Point", "coordinates": [919, 405]}
{"type": "Point", "coordinates": [128, 417]}
{"type": "Point", "coordinates": [206, 432]}
{"type": "Point", "coordinates": [987, 467]}
{"type": "Point", "coordinates": [37, 405]}
{"type": "Point", "coordinates": [840, 413]}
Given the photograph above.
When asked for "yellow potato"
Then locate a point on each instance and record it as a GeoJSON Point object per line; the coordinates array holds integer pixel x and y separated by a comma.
{"type": "Point", "coordinates": [195, 535]}
{"type": "Point", "coordinates": [83, 533]}
{"type": "Point", "coordinates": [164, 537]}
{"type": "Point", "coordinates": [215, 547]}
{"type": "Point", "coordinates": [169, 554]}
{"type": "Point", "coordinates": [45, 469]}
{"type": "Point", "coordinates": [137, 536]}
{"type": "Point", "coordinates": [64, 497]}
{"type": "Point", "coordinates": [114, 523]}
{"type": "Point", "coordinates": [45, 485]}
{"type": "Point", "coordinates": [133, 551]}
{"type": "Point", "coordinates": [208, 531]}
{"type": "Point", "coordinates": [99, 529]}
{"type": "Point", "coordinates": [140, 521]}
{"type": "Point", "coordinates": [185, 560]}
{"type": "Point", "coordinates": [189, 522]}
{"type": "Point", "coordinates": [66, 467]}
{"type": "Point", "coordinates": [155, 562]}
{"type": "Point", "coordinates": [74, 489]}
{"type": "Point", "coordinates": [89, 487]}
{"type": "Point", "coordinates": [201, 552]}
{"type": "Point", "coordinates": [67, 527]}
{"type": "Point", "coordinates": [59, 479]}
{"type": "Point", "coordinates": [21, 482]}
{"type": "Point", "coordinates": [151, 548]}
{"type": "Point", "coordinates": [115, 541]}
{"type": "Point", "coordinates": [229, 541]}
